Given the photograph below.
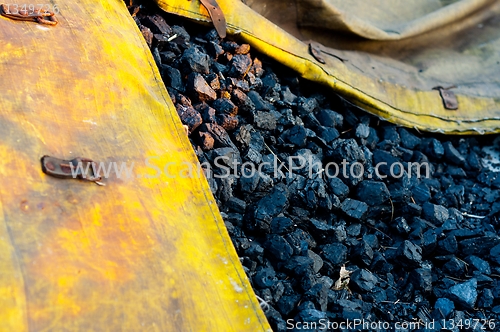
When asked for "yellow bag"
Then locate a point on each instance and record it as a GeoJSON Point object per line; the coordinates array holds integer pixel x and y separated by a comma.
{"type": "Point", "coordinates": [410, 55]}
{"type": "Point", "coordinates": [139, 254]}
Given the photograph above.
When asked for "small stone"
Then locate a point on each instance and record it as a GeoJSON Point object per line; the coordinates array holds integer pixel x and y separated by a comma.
{"type": "Point", "coordinates": [195, 61]}
{"type": "Point", "coordinates": [373, 193]}
{"type": "Point", "coordinates": [486, 299]}
{"type": "Point", "coordinates": [306, 105]}
{"type": "Point", "coordinates": [239, 66]}
{"type": "Point", "coordinates": [265, 120]}
{"type": "Point", "coordinates": [172, 78]}
{"type": "Point", "coordinates": [390, 134]}
{"type": "Point", "coordinates": [297, 135]}
{"type": "Point", "coordinates": [464, 294]}
{"type": "Point", "coordinates": [363, 281]}
{"type": "Point", "coordinates": [434, 148]}
{"type": "Point", "coordinates": [271, 205]}
{"type": "Point", "coordinates": [237, 205]}
{"type": "Point", "coordinates": [206, 141]}
{"type": "Point", "coordinates": [213, 81]}
{"type": "Point", "coordinates": [422, 279]}
{"type": "Point", "coordinates": [479, 264]}
{"type": "Point", "coordinates": [494, 253]}
{"type": "Point", "coordinates": [362, 252]}
{"type": "Point", "coordinates": [241, 99]}
{"type": "Point", "coordinates": [448, 245]}
{"type": "Point", "coordinates": [248, 184]}
{"type": "Point", "coordinates": [408, 140]}
{"type": "Point", "coordinates": [429, 242]}
{"type": "Point", "coordinates": [354, 209]}
{"type": "Point", "coordinates": [322, 231]}
{"type": "Point", "coordinates": [199, 88]}
{"type": "Point", "coordinates": [436, 214]}
{"type": "Point", "coordinates": [265, 278]}
{"type": "Point", "coordinates": [362, 131]}
{"type": "Point", "coordinates": [318, 294]}
{"type": "Point", "coordinates": [481, 246]}
{"type": "Point", "coordinates": [189, 116]}
{"type": "Point", "coordinates": [259, 103]}
{"type": "Point", "coordinates": [157, 24]}
{"type": "Point", "coordinates": [318, 261]}
{"type": "Point", "coordinates": [219, 134]}
{"type": "Point", "coordinates": [310, 317]}
{"type": "Point", "coordinates": [328, 134]}
{"type": "Point", "coordinates": [182, 39]}
{"type": "Point", "coordinates": [388, 164]}
{"type": "Point", "coordinates": [401, 225]}
{"type": "Point", "coordinates": [454, 267]}
{"type": "Point", "coordinates": [421, 193]}
{"type": "Point", "coordinates": [409, 254]}
{"type": "Point", "coordinates": [453, 155]}
{"type": "Point", "coordinates": [147, 34]}
{"type": "Point", "coordinates": [444, 306]}
{"type": "Point", "coordinates": [299, 265]}
{"type": "Point", "coordinates": [329, 118]}
{"type": "Point", "coordinates": [228, 122]}
{"type": "Point", "coordinates": [335, 253]}
{"type": "Point", "coordinates": [278, 247]}
{"type": "Point", "coordinates": [282, 225]}
{"type": "Point", "coordinates": [338, 187]}
{"type": "Point", "coordinates": [223, 105]}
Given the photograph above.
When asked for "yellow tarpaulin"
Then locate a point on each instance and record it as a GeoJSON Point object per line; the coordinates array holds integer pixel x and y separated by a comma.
{"type": "Point", "coordinates": [387, 56]}
{"type": "Point", "coordinates": [146, 252]}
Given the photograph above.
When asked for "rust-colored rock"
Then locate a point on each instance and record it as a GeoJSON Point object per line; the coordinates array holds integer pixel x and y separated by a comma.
{"type": "Point", "coordinates": [199, 88]}
{"type": "Point", "coordinates": [189, 116]}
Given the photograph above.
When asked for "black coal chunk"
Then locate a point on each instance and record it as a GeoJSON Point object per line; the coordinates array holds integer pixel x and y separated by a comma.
{"type": "Point", "coordinates": [363, 281]}
{"type": "Point", "coordinates": [422, 279]}
{"type": "Point", "coordinates": [436, 214]}
{"type": "Point", "coordinates": [335, 253]}
{"type": "Point", "coordinates": [408, 140]}
{"type": "Point", "coordinates": [464, 294]}
{"type": "Point", "coordinates": [455, 267]}
{"type": "Point", "coordinates": [373, 193]}
{"type": "Point", "coordinates": [265, 278]}
{"type": "Point", "coordinates": [354, 209]}
{"type": "Point", "coordinates": [479, 264]}
{"type": "Point", "coordinates": [223, 105]}
{"type": "Point", "coordinates": [389, 165]}
{"type": "Point", "coordinates": [401, 225]}
{"type": "Point", "coordinates": [239, 66]}
{"type": "Point", "coordinates": [452, 154]}
{"type": "Point", "coordinates": [479, 246]}
{"type": "Point", "coordinates": [362, 252]}
{"type": "Point", "coordinates": [433, 148]}
{"type": "Point", "coordinates": [448, 245]}
{"type": "Point", "coordinates": [270, 206]}
{"type": "Point", "coordinates": [329, 118]}
{"type": "Point", "coordinates": [324, 232]}
{"type": "Point", "coordinates": [193, 60]}
{"type": "Point", "coordinates": [297, 135]}
{"type": "Point", "coordinates": [337, 187]}
{"type": "Point", "coordinates": [282, 225]}
{"type": "Point", "coordinates": [443, 308]}
{"type": "Point", "coordinates": [409, 254]}
{"type": "Point", "coordinates": [278, 247]}
{"type": "Point", "coordinates": [172, 78]}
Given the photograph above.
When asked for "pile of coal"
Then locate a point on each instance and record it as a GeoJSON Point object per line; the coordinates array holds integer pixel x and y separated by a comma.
{"type": "Point", "coordinates": [337, 216]}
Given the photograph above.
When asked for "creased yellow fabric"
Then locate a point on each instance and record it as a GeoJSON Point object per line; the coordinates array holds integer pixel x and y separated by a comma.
{"type": "Point", "coordinates": [385, 56]}
{"type": "Point", "coordinates": [143, 253]}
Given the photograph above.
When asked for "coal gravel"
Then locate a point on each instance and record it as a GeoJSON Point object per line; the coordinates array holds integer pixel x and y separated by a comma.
{"type": "Point", "coordinates": [375, 245]}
